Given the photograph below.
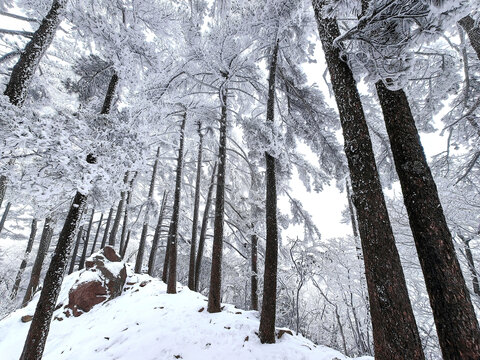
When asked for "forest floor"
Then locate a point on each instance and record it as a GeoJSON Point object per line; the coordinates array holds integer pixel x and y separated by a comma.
{"type": "Point", "coordinates": [146, 323]}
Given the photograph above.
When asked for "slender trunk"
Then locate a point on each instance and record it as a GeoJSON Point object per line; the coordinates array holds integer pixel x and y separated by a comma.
{"type": "Point", "coordinates": [340, 326]}
{"type": "Point", "coordinates": [30, 57]}
{"type": "Point", "coordinates": [127, 240]}
{"type": "Point", "coordinates": [125, 216]}
{"type": "Point", "coordinates": [23, 265]}
{"type": "Point", "coordinates": [173, 230]}
{"type": "Point", "coordinates": [203, 231]}
{"type": "Point", "coordinates": [214, 295]}
{"type": "Point", "coordinates": [166, 262]}
{"type": "Point", "coordinates": [353, 221]}
{"type": "Point", "coordinates": [118, 216]}
{"type": "Point", "coordinates": [193, 245]}
{"type": "Point", "coordinates": [107, 228]}
{"type": "Point", "coordinates": [473, 32]}
{"type": "Point", "coordinates": [471, 264]}
{"type": "Point", "coordinates": [143, 237]}
{"type": "Point", "coordinates": [85, 242]}
{"type": "Point", "coordinates": [267, 317]}
{"type": "Point", "coordinates": [97, 234]}
{"type": "Point", "coordinates": [3, 188]}
{"type": "Point", "coordinates": [394, 328]}
{"type": "Point", "coordinates": [108, 101]}
{"type": "Point", "coordinates": [37, 265]}
{"type": "Point", "coordinates": [254, 273]}
{"type": "Point", "coordinates": [4, 216]}
{"type": "Point", "coordinates": [453, 312]}
{"type": "Point", "coordinates": [156, 236]}
{"type": "Point", "coordinates": [75, 250]}
{"type": "Point", "coordinates": [40, 326]}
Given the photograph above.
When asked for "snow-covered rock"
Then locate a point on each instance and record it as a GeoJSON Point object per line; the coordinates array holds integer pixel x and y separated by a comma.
{"type": "Point", "coordinates": [147, 323]}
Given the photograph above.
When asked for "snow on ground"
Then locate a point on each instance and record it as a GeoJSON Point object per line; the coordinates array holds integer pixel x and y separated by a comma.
{"type": "Point", "coordinates": [146, 323]}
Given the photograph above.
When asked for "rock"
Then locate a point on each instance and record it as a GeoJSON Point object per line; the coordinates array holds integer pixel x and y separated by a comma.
{"type": "Point", "coordinates": [27, 318]}
{"type": "Point", "coordinates": [103, 279]}
{"type": "Point", "coordinates": [281, 332]}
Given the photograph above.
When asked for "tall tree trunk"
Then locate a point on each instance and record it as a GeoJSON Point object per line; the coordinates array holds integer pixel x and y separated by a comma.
{"type": "Point", "coordinates": [214, 295]}
{"type": "Point", "coordinates": [127, 240]}
{"type": "Point", "coordinates": [269, 302]}
{"type": "Point", "coordinates": [40, 326]}
{"type": "Point", "coordinates": [42, 251]}
{"type": "Point", "coordinates": [173, 229]}
{"type": "Point", "coordinates": [203, 231]}
{"type": "Point", "coordinates": [143, 237]}
{"type": "Point", "coordinates": [254, 273]}
{"type": "Point", "coordinates": [97, 234]}
{"type": "Point", "coordinates": [453, 312]}
{"type": "Point", "coordinates": [107, 228]}
{"type": "Point", "coordinates": [471, 264]}
{"type": "Point", "coordinates": [23, 265]}
{"type": "Point", "coordinates": [166, 262]}
{"type": "Point", "coordinates": [3, 188]}
{"type": "Point", "coordinates": [118, 215]}
{"type": "Point", "coordinates": [156, 236]}
{"type": "Point", "coordinates": [75, 250]}
{"type": "Point", "coordinates": [394, 328]}
{"type": "Point", "coordinates": [4, 216]}
{"type": "Point", "coordinates": [81, 265]}
{"type": "Point", "coordinates": [30, 57]}
{"type": "Point", "coordinates": [111, 91]}
{"type": "Point", "coordinates": [193, 244]}
{"type": "Point", "coordinates": [125, 216]}
{"type": "Point", "coordinates": [473, 32]}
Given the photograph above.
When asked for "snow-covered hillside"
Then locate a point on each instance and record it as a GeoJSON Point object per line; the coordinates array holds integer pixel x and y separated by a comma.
{"type": "Point", "coordinates": [146, 323]}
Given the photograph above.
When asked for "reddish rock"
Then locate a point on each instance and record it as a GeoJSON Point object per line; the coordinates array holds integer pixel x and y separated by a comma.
{"type": "Point", "coordinates": [85, 296]}
{"type": "Point", "coordinates": [281, 332]}
{"type": "Point", "coordinates": [27, 318]}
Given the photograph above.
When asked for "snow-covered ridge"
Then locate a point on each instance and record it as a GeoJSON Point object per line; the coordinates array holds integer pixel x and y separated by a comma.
{"type": "Point", "coordinates": [146, 323]}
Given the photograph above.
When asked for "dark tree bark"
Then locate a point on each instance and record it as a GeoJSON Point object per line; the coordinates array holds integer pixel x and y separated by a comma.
{"type": "Point", "coordinates": [30, 57]}
{"type": "Point", "coordinates": [112, 89]}
{"type": "Point", "coordinates": [203, 231]}
{"type": "Point", "coordinates": [471, 263]}
{"type": "Point", "coordinates": [4, 216]}
{"type": "Point", "coordinates": [394, 328]}
{"type": "Point", "coordinates": [156, 236]}
{"type": "Point", "coordinates": [125, 216]}
{"type": "Point", "coordinates": [473, 32]}
{"type": "Point", "coordinates": [127, 240]}
{"type": "Point", "coordinates": [75, 250]}
{"type": "Point", "coordinates": [81, 264]}
{"type": "Point", "coordinates": [118, 215]}
{"type": "Point", "coordinates": [40, 326]}
{"type": "Point", "coordinates": [97, 234]}
{"type": "Point", "coordinates": [23, 265]}
{"type": "Point", "coordinates": [269, 302]}
{"type": "Point", "coordinates": [173, 229]}
{"type": "Point", "coordinates": [215, 291]}
{"type": "Point", "coordinates": [193, 244]}
{"type": "Point", "coordinates": [107, 228]}
{"type": "Point", "coordinates": [166, 262]}
{"type": "Point", "coordinates": [254, 274]}
{"type": "Point", "coordinates": [143, 237]}
{"type": "Point", "coordinates": [45, 239]}
{"type": "Point", "coordinates": [453, 312]}
{"type": "Point", "coordinates": [3, 188]}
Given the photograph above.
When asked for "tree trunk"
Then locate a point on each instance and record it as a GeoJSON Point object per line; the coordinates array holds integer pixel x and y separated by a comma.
{"type": "Point", "coordinates": [214, 295]}
{"type": "Point", "coordinates": [173, 230]}
{"type": "Point", "coordinates": [3, 188]}
{"type": "Point", "coordinates": [125, 216]}
{"type": "Point", "coordinates": [254, 273]}
{"type": "Point", "coordinates": [143, 237]}
{"type": "Point", "coordinates": [471, 264]}
{"type": "Point", "coordinates": [23, 265]}
{"type": "Point", "coordinates": [30, 57]}
{"type": "Point", "coordinates": [108, 101]}
{"type": "Point", "coordinates": [81, 265]}
{"type": "Point", "coordinates": [269, 302]}
{"type": "Point", "coordinates": [394, 328]}
{"type": "Point", "coordinates": [4, 216]}
{"type": "Point", "coordinates": [473, 32]}
{"type": "Point", "coordinates": [166, 262]}
{"type": "Point", "coordinates": [203, 231]}
{"type": "Point", "coordinates": [40, 326]}
{"type": "Point", "coordinates": [118, 215]}
{"type": "Point", "coordinates": [75, 250]}
{"type": "Point", "coordinates": [156, 236]}
{"type": "Point", "coordinates": [107, 228]}
{"type": "Point", "coordinates": [455, 319]}
{"type": "Point", "coordinates": [127, 240]}
{"type": "Point", "coordinates": [97, 234]}
{"type": "Point", "coordinates": [193, 245]}
{"type": "Point", "coordinates": [45, 239]}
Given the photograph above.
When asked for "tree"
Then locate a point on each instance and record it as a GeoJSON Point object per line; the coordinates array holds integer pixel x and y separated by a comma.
{"type": "Point", "coordinates": [394, 328]}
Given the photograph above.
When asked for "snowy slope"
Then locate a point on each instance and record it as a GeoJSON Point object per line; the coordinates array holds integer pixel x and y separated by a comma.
{"type": "Point", "coordinates": [146, 323]}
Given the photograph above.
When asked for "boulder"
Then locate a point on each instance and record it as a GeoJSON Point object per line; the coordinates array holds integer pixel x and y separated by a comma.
{"type": "Point", "coordinates": [103, 279]}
